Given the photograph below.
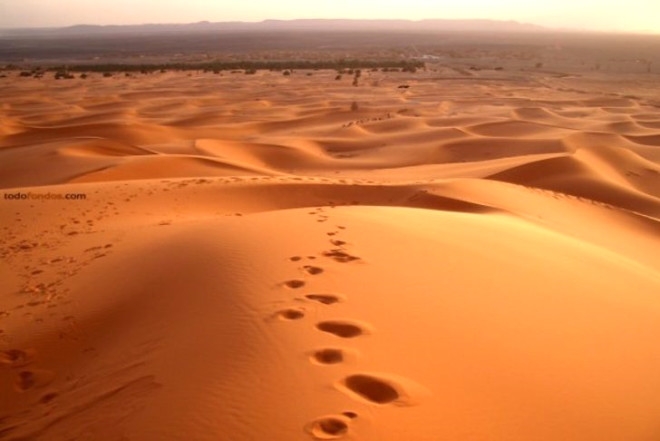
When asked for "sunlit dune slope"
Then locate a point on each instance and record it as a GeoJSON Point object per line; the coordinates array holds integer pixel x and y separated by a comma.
{"type": "Point", "coordinates": [296, 258]}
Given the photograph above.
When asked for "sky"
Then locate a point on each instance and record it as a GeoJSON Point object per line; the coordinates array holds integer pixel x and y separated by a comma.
{"type": "Point", "coordinates": [602, 15]}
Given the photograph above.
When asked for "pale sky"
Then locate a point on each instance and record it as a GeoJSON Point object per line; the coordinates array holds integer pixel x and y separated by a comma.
{"type": "Point", "coordinates": [610, 15]}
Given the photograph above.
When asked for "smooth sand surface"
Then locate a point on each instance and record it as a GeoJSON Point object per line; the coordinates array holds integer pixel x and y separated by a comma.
{"type": "Point", "coordinates": [256, 259]}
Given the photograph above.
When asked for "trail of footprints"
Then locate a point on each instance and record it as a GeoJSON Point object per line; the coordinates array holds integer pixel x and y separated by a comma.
{"type": "Point", "coordinates": [26, 376]}
{"type": "Point", "coordinates": [367, 388]}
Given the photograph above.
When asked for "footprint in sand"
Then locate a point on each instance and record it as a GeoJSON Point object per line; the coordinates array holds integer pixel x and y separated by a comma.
{"type": "Point", "coordinates": [33, 378]}
{"type": "Point", "coordinates": [290, 314]}
{"type": "Point", "coordinates": [312, 270]}
{"type": "Point", "coordinates": [331, 356]}
{"type": "Point", "coordinates": [326, 299]}
{"type": "Point", "coordinates": [48, 398]}
{"type": "Point", "coordinates": [15, 358]}
{"type": "Point", "coordinates": [342, 328]}
{"type": "Point", "coordinates": [382, 389]}
{"type": "Point", "coordinates": [340, 256]}
{"type": "Point", "coordinates": [329, 427]}
{"type": "Point", "coordinates": [328, 356]}
{"type": "Point", "coordinates": [371, 388]}
{"type": "Point", "coordinates": [294, 284]}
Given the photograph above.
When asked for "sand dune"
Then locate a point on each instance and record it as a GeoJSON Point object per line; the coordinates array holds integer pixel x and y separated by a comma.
{"type": "Point", "coordinates": [257, 257]}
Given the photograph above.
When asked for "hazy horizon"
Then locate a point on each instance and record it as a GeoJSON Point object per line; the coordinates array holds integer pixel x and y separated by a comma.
{"type": "Point", "coordinates": [636, 16]}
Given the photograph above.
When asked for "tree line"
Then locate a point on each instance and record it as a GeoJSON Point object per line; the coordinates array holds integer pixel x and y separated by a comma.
{"type": "Point", "coordinates": [340, 65]}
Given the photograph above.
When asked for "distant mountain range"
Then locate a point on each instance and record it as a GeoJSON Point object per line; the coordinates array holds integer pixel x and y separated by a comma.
{"type": "Point", "coordinates": [326, 25]}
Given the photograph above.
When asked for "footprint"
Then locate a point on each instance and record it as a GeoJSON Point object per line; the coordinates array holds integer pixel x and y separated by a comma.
{"type": "Point", "coordinates": [383, 389]}
{"type": "Point", "coordinates": [337, 242]}
{"type": "Point", "coordinates": [48, 398]}
{"type": "Point", "coordinates": [313, 270]}
{"type": "Point", "coordinates": [326, 299]}
{"type": "Point", "coordinates": [340, 256]}
{"type": "Point", "coordinates": [27, 380]}
{"type": "Point", "coordinates": [295, 258]}
{"type": "Point", "coordinates": [341, 328]}
{"type": "Point", "coordinates": [328, 356]}
{"type": "Point", "coordinates": [290, 314]}
{"type": "Point", "coordinates": [372, 388]}
{"type": "Point", "coordinates": [329, 427]}
{"type": "Point", "coordinates": [295, 284]}
{"type": "Point", "coordinates": [350, 414]}
{"type": "Point", "coordinates": [17, 358]}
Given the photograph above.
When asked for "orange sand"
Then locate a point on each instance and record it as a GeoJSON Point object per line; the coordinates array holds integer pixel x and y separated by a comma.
{"type": "Point", "coordinates": [459, 260]}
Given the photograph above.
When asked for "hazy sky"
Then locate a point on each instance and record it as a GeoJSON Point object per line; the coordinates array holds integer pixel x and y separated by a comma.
{"type": "Point", "coordinates": [615, 15]}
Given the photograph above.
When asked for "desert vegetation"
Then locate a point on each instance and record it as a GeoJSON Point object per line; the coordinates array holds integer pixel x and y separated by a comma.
{"type": "Point", "coordinates": [351, 66]}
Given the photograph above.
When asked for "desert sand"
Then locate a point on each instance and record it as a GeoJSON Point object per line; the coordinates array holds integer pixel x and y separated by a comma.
{"type": "Point", "coordinates": [259, 258]}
